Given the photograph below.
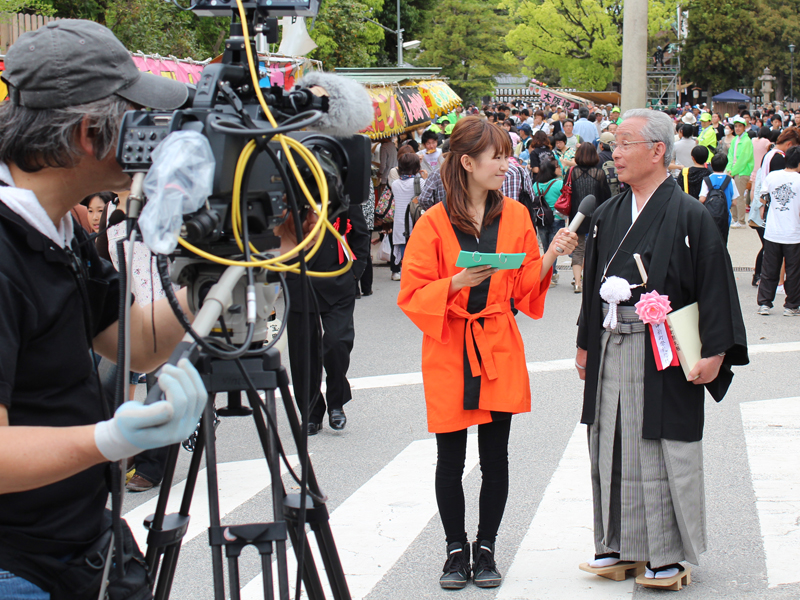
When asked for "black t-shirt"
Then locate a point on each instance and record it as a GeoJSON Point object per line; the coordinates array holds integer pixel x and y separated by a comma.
{"type": "Point", "coordinates": [540, 155]}
{"type": "Point", "coordinates": [777, 163]}
{"type": "Point", "coordinates": [47, 379]}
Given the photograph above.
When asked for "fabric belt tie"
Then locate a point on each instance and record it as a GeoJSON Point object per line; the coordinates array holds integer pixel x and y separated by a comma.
{"type": "Point", "coordinates": [475, 336]}
{"type": "Point", "coordinates": [628, 321]}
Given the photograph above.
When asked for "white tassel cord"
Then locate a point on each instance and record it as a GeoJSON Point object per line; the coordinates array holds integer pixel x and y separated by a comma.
{"type": "Point", "coordinates": [614, 290]}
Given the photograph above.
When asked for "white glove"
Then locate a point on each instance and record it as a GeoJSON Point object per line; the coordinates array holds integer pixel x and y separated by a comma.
{"type": "Point", "coordinates": [136, 427]}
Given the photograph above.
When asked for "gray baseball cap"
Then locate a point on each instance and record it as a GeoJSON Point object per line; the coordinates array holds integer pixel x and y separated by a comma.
{"type": "Point", "coordinates": [71, 62]}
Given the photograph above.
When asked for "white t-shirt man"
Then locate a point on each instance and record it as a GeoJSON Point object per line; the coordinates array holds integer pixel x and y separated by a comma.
{"type": "Point", "coordinates": [783, 218]}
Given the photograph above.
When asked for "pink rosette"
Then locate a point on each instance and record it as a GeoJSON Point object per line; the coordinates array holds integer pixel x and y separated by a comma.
{"type": "Point", "coordinates": [652, 308]}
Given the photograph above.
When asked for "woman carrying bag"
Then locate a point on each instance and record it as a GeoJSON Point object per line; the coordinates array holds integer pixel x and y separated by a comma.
{"type": "Point", "coordinates": [584, 179]}
{"type": "Point", "coordinates": [473, 360]}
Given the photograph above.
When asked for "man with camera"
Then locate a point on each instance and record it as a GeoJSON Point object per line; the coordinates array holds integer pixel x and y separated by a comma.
{"type": "Point", "coordinates": [69, 84]}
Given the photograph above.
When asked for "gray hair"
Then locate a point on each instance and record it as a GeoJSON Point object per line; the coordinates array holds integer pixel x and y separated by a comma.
{"type": "Point", "coordinates": [34, 138]}
{"type": "Point", "coordinates": [658, 127]}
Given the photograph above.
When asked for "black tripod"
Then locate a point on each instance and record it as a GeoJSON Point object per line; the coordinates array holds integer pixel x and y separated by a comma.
{"type": "Point", "coordinates": [166, 531]}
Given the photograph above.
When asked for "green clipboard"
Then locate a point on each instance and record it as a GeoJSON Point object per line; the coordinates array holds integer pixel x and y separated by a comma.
{"type": "Point", "coordinates": [498, 261]}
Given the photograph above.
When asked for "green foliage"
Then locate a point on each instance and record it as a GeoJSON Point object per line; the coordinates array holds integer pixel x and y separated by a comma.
{"type": "Point", "coordinates": [158, 27]}
{"type": "Point", "coordinates": [581, 39]}
{"type": "Point", "coordinates": [466, 39]}
{"type": "Point", "coordinates": [778, 26]}
{"type": "Point", "coordinates": [343, 37]}
{"type": "Point", "coordinates": [34, 7]}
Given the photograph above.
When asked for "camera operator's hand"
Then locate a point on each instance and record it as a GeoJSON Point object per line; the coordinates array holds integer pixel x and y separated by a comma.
{"type": "Point", "coordinates": [136, 427]}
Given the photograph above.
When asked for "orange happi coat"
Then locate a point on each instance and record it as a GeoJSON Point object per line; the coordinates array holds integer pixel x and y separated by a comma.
{"type": "Point", "coordinates": [473, 360]}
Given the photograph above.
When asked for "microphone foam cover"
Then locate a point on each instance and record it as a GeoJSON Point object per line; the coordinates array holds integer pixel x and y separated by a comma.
{"type": "Point", "coordinates": [587, 206]}
{"type": "Point", "coordinates": [350, 106]}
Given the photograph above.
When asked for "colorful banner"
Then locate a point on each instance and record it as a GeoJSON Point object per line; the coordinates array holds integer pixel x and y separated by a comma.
{"type": "Point", "coordinates": [3, 87]}
{"type": "Point", "coordinates": [180, 71]}
{"type": "Point", "coordinates": [551, 97]}
{"type": "Point", "coordinates": [414, 108]}
{"type": "Point", "coordinates": [438, 96]}
{"type": "Point", "coordinates": [389, 118]}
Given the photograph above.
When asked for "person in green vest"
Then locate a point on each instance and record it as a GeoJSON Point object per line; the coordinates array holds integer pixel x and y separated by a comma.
{"type": "Point", "coordinates": [614, 117]}
{"type": "Point", "coordinates": [740, 166]}
{"type": "Point", "coordinates": [708, 135]}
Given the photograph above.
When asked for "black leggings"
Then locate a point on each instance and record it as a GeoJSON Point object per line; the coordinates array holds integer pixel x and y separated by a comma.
{"type": "Point", "coordinates": [493, 450]}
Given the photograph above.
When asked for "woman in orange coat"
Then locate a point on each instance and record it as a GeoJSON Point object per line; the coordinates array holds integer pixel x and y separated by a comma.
{"type": "Point", "coordinates": [473, 360]}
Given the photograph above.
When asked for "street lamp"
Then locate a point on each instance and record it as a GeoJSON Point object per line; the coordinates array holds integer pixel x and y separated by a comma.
{"type": "Point", "coordinates": [791, 77]}
{"type": "Point", "coordinates": [398, 32]}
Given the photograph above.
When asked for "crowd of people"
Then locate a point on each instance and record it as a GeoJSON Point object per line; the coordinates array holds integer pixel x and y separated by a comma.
{"type": "Point", "coordinates": [551, 145]}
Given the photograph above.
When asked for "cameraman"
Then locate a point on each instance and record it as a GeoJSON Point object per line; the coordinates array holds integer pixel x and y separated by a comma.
{"type": "Point", "coordinates": [69, 84]}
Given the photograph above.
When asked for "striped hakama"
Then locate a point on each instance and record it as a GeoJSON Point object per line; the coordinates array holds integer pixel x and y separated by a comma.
{"type": "Point", "coordinates": [649, 500]}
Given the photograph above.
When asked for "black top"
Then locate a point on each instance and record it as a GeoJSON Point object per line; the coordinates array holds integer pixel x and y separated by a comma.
{"type": "Point", "coordinates": [330, 290]}
{"type": "Point", "coordinates": [777, 163]}
{"type": "Point", "coordinates": [585, 182]}
{"type": "Point", "coordinates": [686, 260]}
{"type": "Point", "coordinates": [539, 155]}
{"type": "Point", "coordinates": [54, 301]}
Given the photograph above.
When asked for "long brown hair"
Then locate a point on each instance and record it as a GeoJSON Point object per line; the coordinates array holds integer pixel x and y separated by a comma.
{"type": "Point", "coordinates": [471, 137]}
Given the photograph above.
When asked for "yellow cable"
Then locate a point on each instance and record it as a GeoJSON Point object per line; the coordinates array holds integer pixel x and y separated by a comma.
{"type": "Point", "coordinates": [277, 263]}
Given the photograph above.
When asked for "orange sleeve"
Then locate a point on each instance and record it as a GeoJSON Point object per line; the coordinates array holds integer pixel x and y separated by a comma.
{"type": "Point", "coordinates": [423, 288]}
{"type": "Point", "coordinates": [529, 293]}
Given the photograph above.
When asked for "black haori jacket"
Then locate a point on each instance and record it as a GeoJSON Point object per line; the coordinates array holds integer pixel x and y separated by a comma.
{"type": "Point", "coordinates": [685, 259]}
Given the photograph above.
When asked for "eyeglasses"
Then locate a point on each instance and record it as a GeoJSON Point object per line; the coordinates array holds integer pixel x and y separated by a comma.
{"type": "Point", "coordinates": [625, 144]}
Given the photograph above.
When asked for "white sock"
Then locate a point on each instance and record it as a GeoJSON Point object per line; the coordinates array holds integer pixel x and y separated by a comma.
{"type": "Point", "coordinates": [661, 574]}
{"type": "Point", "coordinates": [603, 562]}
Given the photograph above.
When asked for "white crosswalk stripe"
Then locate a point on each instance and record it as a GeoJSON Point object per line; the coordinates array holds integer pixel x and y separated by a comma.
{"type": "Point", "coordinates": [560, 538]}
{"type": "Point", "coordinates": [772, 430]}
{"type": "Point", "coordinates": [375, 525]}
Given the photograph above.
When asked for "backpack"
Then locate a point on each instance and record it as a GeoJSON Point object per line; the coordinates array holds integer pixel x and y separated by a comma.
{"type": "Point", "coordinates": [413, 211]}
{"type": "Point", "coordinates": [611, 177]}
{"type": "Point", "coordinates": [541, 213]}
{"type": "Point", "coordinates": [717, 204]}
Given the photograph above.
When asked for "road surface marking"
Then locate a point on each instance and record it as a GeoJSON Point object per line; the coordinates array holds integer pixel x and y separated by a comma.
{"type": "Point", "coordinates": [772, 432]}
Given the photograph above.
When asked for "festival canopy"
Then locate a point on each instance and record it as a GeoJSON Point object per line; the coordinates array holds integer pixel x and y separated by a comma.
{"type": "Point", "coordinates": [731, 96]}
{"type": "Point", "coordinates": [403, 98]}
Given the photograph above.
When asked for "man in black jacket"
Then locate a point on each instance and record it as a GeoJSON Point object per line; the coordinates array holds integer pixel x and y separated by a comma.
{"type": "Point", "coordinates": [336, 299]}
{"type": "Point", "coordinates": [645, 416]}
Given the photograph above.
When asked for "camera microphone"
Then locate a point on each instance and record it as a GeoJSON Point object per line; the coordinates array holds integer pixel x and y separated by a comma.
{"type": "Point", "coordinates": [349, 105]}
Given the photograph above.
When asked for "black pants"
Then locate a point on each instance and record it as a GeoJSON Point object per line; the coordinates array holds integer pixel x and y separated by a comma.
{"type": "Point", "coordinates": [392, 266]}
{"type": "Point", "coordinates": [760, 255]}
{"type": "Point", "coordinates": [366, 276]}
{"type": "Point", "coordinates": [337, 343]}
{"type": "Point", "coordinates": [774, 255]}
{"type": "Point", "coordinates": [452, 451]}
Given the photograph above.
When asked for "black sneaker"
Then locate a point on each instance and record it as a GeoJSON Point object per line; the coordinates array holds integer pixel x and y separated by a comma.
{"type": "Point", "coordinates": [484, 570]}
{"type": "Point", "coordinates": [456, 568]}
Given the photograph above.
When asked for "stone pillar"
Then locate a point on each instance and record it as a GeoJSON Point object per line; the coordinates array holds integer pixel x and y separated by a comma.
{"type": "Point", "coordinates": [634, 55]}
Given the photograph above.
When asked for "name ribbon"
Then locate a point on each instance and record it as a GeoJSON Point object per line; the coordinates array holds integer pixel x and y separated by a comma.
{"type": "Point", "coordinates": [652, 308]}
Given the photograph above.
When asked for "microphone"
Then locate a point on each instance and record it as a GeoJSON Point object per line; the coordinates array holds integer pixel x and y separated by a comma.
{"type": "Point", "coordinates": [349, 105]}
{"type": "Point", "coordinates": [585, 209]}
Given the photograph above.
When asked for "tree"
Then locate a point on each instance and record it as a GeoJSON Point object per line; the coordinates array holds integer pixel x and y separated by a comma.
{"type": "Point", "coordinates": [778, 26]}
{"type": "Point", "coordinates": [718, 50]}
{"type": "Point", "coordinates": [581, 39]}
{"type": "Point", "coordinates": [158, 27]}
{"type": "Point", "coordinates": [343, 37]}
{"type": "Point", "coordinates": [35, 7]}
{"type": "Point", "coordinates": [466, 38]}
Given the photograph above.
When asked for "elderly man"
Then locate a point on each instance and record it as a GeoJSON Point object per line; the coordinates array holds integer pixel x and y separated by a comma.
{"type": "Point", "coordinates": [58, 134]}
{"type": "Point", "coordinates": [646, 419]}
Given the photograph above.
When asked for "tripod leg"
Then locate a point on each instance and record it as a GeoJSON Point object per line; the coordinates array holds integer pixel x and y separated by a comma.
{"type": "Point", "coordinates": [270, 447]}
{"type": "Point", "coordinates": [331, 560]}
{"type": "Point", "coordinates": [154, 552]}
{"type": "Point", "coordinates": [169, 563]}
{"type": "Point", "coordinates": [213, 500]}
{"type": "Point", "coordinates": [310, 574]}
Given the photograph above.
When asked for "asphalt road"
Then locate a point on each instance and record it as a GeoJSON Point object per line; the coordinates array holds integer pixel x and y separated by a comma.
{"type": "Point", "coordinates": [376, 470]}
